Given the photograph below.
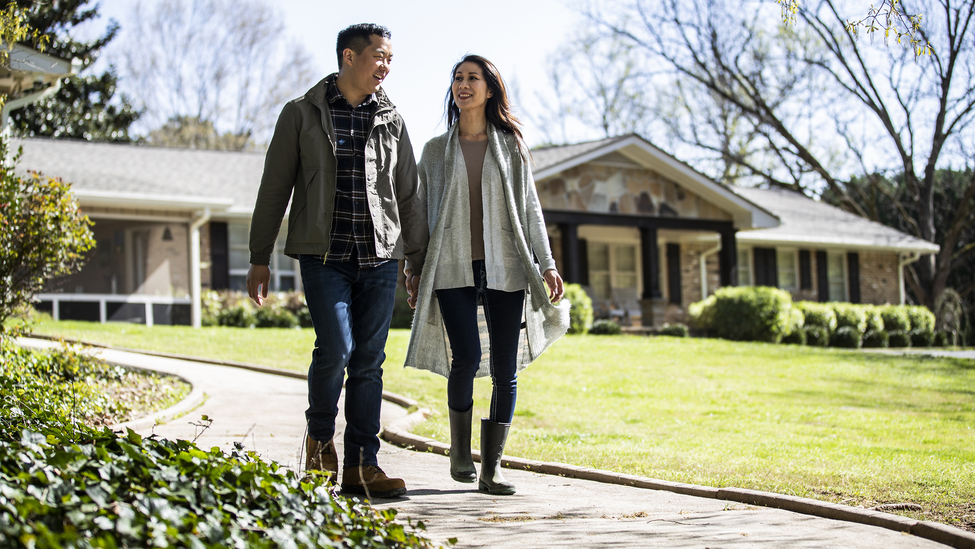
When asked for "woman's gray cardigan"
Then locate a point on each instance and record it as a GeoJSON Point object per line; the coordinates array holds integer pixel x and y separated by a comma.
{"type": "Point", "coordinates": [442, 173]}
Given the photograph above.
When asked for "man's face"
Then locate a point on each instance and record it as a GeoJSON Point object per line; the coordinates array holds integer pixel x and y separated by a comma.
{"type": "Point", "coordinates": [368, 69]}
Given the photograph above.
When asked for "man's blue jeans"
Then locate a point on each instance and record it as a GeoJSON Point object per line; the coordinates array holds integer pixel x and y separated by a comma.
{"type": "Point", "coordinates": [351, 308]}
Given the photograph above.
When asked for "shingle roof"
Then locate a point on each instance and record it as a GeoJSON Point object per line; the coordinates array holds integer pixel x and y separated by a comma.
{"type": "Point", "coordinates": [546, 157]}
{"type": "Point", "coordinates": [812, 222]}
{"type": "Point", "coordinates": [124, 168]}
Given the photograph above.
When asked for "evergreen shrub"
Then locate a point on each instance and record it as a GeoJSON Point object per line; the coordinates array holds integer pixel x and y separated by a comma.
{"type": "Point", "coordinates": [895, 318]}
{"type": "Point", "coordinates": [875, 320]}
{"type": "Point", "coordinates": [921, 338]}
{"type": "Point", "coordinates": [876, 339]}
{"type": "Point", "coordinates": [674, 330]}
{"type": "Point", "coordinates": [750, 313]}
{"type": "Point", "coordinates": [580, 314]}
{"type": "Point", "coordinates": [817, 336]}
{"type": "Point", "coordinates": [847, 337]}
{"type": "Point", "coordinates": [818, 314]}
{"type": "Point", "coordinates": [605, 326]}
{"type": "Point", "coordinates": [899, 339]}
{"type": "Point", "coordinates": [797, 337]}
{"type": "Point", "coordinates": [851, 316]}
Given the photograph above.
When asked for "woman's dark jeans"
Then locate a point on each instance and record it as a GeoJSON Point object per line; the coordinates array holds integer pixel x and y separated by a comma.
{"type": "Point", "coordinates": [502, 310]}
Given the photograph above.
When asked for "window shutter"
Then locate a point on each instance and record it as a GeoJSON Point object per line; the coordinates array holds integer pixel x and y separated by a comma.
{"type": "Point", "coordinates": [822, 276]}
{"type": "Point", "coordinates": [805, 270]}
{"type": "Point", "coordinates": [853, 270]}
{"type": "Point", "coordinates": [219, 256]}
{"type": "Point", "coordinates": [766, 267]}
{"type": "Point", "coordinates": [673, 273]}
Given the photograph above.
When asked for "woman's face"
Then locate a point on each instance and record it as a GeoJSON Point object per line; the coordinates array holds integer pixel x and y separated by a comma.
{"type": "Point", "coordinates": [469, 88]}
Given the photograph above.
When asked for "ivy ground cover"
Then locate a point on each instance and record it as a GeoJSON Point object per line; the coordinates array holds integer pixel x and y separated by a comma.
{"type": "Point", "coordinates": [843, 426]}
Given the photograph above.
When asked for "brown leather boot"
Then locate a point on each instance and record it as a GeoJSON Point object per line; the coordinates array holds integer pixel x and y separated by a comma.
{"type": "Point", "coordinates": [356, 480]}
{"type": "Point", "coordinates": [321, 456]}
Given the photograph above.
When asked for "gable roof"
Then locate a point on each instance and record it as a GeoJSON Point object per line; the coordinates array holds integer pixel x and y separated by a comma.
{"type": "Point", "coordinates": [118, 174]}
{"type": "Point", "coordinates": [550, 161]}
{"type": "Point", "coordinates": [810, 222]}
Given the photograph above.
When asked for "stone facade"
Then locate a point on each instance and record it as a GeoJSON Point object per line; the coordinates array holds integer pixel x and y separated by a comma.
{"type": "Point", "coordinates": [879, 283]}
{"type": "Point", "coordinates": [610, 189]}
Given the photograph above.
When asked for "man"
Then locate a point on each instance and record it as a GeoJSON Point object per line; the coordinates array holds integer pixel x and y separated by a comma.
{"type": "Point", "coordinates": [342, 156]}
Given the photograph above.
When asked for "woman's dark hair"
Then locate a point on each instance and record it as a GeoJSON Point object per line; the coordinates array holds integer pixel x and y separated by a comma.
{"type": "Point", "coordinates": [357, 37]}
{"type": "Point", "coordinates": [497, 109]}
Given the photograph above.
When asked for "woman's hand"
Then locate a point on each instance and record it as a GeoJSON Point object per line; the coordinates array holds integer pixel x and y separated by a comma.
{"type": "Point", "coordinates": [554, 281]}
{"type": "Point", "coordinates": [412, 287]}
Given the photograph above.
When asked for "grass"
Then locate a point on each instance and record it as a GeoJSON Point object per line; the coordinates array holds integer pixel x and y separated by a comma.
{"type": "Point", "coordinates": [842, 426]}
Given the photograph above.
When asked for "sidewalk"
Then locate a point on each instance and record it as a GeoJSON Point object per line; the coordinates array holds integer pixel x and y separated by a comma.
{"type": "Point", "coordinates": [265, 412]}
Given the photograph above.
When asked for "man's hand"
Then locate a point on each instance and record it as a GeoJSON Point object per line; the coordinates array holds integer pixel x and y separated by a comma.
{"type": "Point", "coordinates": [258, 279]}
{"type": "Point", "coordinates": [554, 282]}
{"type": "Point", "coordinates": [412, 287]}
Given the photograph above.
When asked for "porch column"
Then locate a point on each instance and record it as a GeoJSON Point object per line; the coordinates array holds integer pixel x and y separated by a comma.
{"type": "Point", "coordinates": [570, 252]}
{"type": "Point", "coordinates": [728, 258]}
{"type": "Point", "coordinates": [651, 259]}
{"type": "Point", "coordinates": [195, 283]}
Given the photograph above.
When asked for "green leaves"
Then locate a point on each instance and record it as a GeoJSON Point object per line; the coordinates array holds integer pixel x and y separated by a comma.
{"type": "Point", "coordinates": [43, 235]}
{"type": "Point", "coordinates": [65, 484]}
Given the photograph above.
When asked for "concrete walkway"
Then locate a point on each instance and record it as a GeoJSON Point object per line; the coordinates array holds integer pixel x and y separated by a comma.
{"type": "Point", "coordinates": [265, 412]}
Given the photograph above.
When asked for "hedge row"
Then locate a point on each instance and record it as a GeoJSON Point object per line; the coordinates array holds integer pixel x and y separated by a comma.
{"type": "Point", "coordinates": [769, 314]}
{"type": "Point", "coordinates": [67, 484]}
{"type": "Point", "coordinates": [280, 310]}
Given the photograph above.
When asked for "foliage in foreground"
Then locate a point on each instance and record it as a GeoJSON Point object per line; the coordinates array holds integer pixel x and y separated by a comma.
{"type": "Point", "coordinates": [66, 484]}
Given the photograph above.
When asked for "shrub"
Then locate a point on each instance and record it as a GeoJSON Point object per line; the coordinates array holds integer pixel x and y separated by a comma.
{"type": "Point", "coordinates": [895, 318]}
{"type": "Point", "coordinates": [847, 337]}
{"type": "Point", "coordinates": [700, 312]}
{"type": "Point", "coordinates": [921, 318]}
{"type": "Point", "coordinates": [817, 336]}
{"type": "Point", "coordinates": [818, 314]}
{"type": "Point", "coordinates": [44, 234]}
{"type": "Point", "coordinates": [944, 338]}
{"type": "Point", "coordinates": [921, 338]}
{"type": "Point", "coordinates": [876, 339]}
{"type": "Point", "coordinates": [875, 320]}
{"type": "Point", "coordinates": [674, 330]}
{"type": "Point", "coordinates": [797, 337]}
{"type": "Point", "coordinates": [748, 313]}
{"type": "Point", "coordinates": [899, 339]}
{"type": "Point", "coordinates": [851, 316]}
{"type": "Point", "coordinates": [274, 316]}
{"type": "Point", "coordinates": [605, 327]}
{"type": "Point", "coordinates": [580, 314]}
{"type": "Point", "coordinates": [240, 315]}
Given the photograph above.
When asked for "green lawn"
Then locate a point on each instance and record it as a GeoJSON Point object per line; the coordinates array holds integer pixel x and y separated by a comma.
{"type": "Point", "coordinates": [836, 425]}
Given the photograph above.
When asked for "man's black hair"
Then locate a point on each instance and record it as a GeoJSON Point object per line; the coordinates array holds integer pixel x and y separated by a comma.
{"type": "Point", "coordinates": [357, 37]}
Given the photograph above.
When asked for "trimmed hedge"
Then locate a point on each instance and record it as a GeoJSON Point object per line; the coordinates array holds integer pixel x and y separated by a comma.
{"type": "Point", "coordinates": [876, 339]}
{"type": "Point", "coordinates": [580, 314]}
{"type": "Point", "coordinates": [818, 314]}
{"type": "Point", "coordinates": [747, 314]}
{"type": "Point", "coordinates": [797, 337]}
{"type": "Point", "coordinates": [895, 318]}
{"type": "Point", "coordinates": [605, 327]}
{"type": "Point", "coordinates": [899, 339]}
{"type": "Point", "coordinates": [674, 330]}
{"type": "Point", "coordinates": [851, 316]}
{"type": "Point", "coordinates": [847, 337]}
{"type": "Point", "coordinates": [817, 336]}
{"type": "Point", "coordinates": [921, 337]}
{"type": "Point", "coordinates": [921, 318]}
{"type": "Point", "coordinates": [875, 320]}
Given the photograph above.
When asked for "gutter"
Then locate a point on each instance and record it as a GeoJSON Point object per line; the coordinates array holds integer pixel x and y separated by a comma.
{"type": "Point", "coordinates": [904, 261]}
{"type": "Point", "coordinates": [25, 100]}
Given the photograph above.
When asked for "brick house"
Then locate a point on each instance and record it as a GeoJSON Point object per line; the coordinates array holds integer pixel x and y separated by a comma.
{"type": "Point", "coordinates": [645, 234]}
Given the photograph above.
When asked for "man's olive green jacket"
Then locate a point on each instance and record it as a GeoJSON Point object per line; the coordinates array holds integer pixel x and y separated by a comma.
{"type": "Point", "coordinates": [300, 167]}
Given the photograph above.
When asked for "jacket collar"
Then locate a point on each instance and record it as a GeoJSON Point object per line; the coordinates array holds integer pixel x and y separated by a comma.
{"type": "Point", "coordinates": [317, 95]}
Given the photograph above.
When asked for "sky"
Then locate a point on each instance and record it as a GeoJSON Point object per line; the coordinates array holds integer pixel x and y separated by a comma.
{"type": "Point", "coordinates": [518, 36]}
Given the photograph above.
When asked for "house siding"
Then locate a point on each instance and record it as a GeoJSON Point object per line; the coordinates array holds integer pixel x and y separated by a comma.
{"type": "Point", "coordinates": [879, 281]}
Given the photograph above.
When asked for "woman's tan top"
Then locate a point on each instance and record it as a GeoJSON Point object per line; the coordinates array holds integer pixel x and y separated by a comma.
{"type": "Point", "coordinates": [474, 152]}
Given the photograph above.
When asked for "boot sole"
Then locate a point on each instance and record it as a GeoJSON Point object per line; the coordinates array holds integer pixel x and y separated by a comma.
{"type": "Point", "coordinates": [497, 491]}
{"type": "Point", "coordinates": [465, 479]}
{"type": "Point", "coordinates": [360, 491]}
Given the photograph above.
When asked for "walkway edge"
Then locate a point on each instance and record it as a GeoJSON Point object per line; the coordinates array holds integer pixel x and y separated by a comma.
{"type": "Point", "coordinates": [398, 433]}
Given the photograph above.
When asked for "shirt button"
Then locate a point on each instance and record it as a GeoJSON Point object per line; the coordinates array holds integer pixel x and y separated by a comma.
{"type": "Point", "coordinates": [341, 141]}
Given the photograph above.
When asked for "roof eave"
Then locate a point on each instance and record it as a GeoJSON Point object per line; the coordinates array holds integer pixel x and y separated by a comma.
{"type": "Point", "coordinates": [919, 246]}
{"type": "Point", "coordinates": [112, 199]}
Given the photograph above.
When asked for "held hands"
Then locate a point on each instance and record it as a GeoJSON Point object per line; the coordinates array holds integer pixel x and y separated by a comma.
{"type": "Point", "coordinates": [554, 282]}
{"type": "Point", "coordinates": [258, 279]}
{"type": "Point", "coordinates": [412, 287]}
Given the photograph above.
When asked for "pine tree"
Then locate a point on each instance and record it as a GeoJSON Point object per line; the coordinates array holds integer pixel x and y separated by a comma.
{"type": "Point", "coordinates": [86, 106]}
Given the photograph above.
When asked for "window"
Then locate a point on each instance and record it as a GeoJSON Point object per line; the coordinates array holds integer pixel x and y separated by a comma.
{"type": "Point", "coordinates": [744, 268]}
{"type": "Point", "coordinates": [788, 270]}
{"type": "Point", "coordinates": [836, 273]}
{"type": "Point", "coordinates": [239, 253]}
{"type": "Point", "coordinates": [284, 272]}
{"type": "Point", "coordinates": [612, 267]}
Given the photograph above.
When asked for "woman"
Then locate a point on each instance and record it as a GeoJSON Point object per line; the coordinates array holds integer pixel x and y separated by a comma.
{"type": "Point", "coordinates": [486, 231]}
